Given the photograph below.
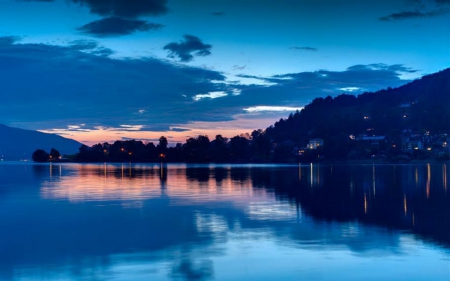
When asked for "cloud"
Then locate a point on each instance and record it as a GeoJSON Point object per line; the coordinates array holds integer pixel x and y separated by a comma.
{"type": "Point", "coordinates": [184, 49]}
{"type": "Point", "coordinates": [90, 46]}
{"type": "Point", "coordinates": [121, 16]}
{"type": "Point", "coordinates": [396, 68]}
{"type": "Point", "coordinates": [238, 67]}
{"type": "Point", "coordinates": [83, 44]}
{"type": "Point", "coordinates": [68, 85]}
{"type": "Point", "coordinates": [176, 129]}
{"type": "Point", "coordinates": [350, 89]}
{"type": "Point", "coordinates": [311, 49]}
{"type": "Point", "coordinates": [117, 27]}
{"type": "Point", "coordinates": [272, 108]}
{"type": "Point", "coordinates": [103, 52]}
{"type": "Point", "coordinates": [125, 8]}
{"type": "Point", "coordinates": [9, 40]}
{"type": "Point", "coordinates": [210, 95]}
{"type": "Point", "coordinates": [71, 85]}
{"type": "Point", "coordinates": [415, 14]}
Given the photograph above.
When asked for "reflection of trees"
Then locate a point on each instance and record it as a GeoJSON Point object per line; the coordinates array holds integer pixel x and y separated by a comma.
{"type": "Point", "coordinates": [351, 193]}
{"type": "Point", "coordinates": [412, 198]}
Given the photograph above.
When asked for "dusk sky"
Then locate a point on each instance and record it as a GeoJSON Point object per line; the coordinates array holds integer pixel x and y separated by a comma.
{"type": "Point", "coordinates": [105, 70]}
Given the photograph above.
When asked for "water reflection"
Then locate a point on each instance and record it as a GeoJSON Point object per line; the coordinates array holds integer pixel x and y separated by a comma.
{"type": "Point", "coordinates": [323, 192]}
{"type": "Point", "coordinates": [192, 222]}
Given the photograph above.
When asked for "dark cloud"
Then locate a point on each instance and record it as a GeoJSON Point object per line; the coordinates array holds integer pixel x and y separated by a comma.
{"type": "Point", "coordinates": [72, 85]}
{"type": "Point", "coordinates": [81, 45]}
{"type": "Point", "coordinates": [69, 85]}
{"type": "Point", "coordinates": [121, 15]}
{"type": "Point", "coordinates": [102, 51]}
{"type": "Point", "coordinates": [9, 40]}
{"type": "Point", "coordinates": [238, 67]}
{"type": "Point", "coordinates": [184, 49]}
{"type": "Point", "coordinates": [90, 46]}
{"type": "Point", "coordinates": [396, 68]}
{"type": "Point", "coordinates": [414, 15]}
{"type": "Point", "coordinates": [298, 89]}
{"type": "Point", "coordinates": [117, 27]}
{"type": "Point", "coordinates": [125, 8]}
{"type": "Point", "coordinates": [311, 49]}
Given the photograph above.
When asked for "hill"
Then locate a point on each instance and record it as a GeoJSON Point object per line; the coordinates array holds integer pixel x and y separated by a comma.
{"type": "Point", "coordinates": [414, 110]}
{"type": "Point", "coordinates": [406, 123]}
{"type": "Point", "coordinates": [16, 144]}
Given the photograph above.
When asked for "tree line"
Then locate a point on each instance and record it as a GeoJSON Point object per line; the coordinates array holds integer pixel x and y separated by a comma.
{"type": "Point", "coordinates": [41, 155]}
{"type": "Point", "coordinates": [244, 148]}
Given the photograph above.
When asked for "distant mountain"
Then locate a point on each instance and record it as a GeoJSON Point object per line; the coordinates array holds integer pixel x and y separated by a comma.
{"type": "Point", "coordinates": [16, 144]}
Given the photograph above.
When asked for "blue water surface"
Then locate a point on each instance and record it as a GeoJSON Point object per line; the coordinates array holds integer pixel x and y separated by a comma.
{"type": "Point", "coordinates": [224, 222]}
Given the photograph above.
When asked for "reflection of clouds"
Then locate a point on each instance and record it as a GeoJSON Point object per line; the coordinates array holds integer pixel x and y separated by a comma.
{"type": "Point", "coordinates": [272, 211]}
{"type": "Point", "coordinates": [210, 223]}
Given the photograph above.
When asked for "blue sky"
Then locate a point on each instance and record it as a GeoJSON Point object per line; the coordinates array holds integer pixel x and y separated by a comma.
{"type": "Point", "coordinates": [101, 70]}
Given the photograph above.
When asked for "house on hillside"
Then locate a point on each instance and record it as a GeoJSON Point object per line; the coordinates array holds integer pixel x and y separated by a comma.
{"type": "Point", "coordinates": [412, 144]}
{"type": "Point", "coordinates": [314, 143]}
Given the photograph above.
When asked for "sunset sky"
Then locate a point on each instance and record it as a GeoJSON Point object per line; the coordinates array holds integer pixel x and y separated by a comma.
{"type": "Point", "coordinates": [105, 70]}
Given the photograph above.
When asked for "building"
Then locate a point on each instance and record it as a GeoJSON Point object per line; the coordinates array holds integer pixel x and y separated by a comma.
{"type": "Point", "coordinates": [314, 143]}
{"type": "Point", "coordinates": [412, 144]}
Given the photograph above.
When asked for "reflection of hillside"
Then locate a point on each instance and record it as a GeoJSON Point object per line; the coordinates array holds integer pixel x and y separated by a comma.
{"type": "Point", "coordinates": [412, 198]}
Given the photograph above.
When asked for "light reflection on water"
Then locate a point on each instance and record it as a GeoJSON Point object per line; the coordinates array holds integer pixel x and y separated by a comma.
{"type": "Point", "coordinates": [224, 222]}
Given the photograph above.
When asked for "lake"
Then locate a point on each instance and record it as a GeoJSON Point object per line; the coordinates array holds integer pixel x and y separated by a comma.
{"type": "Point", "coordinates": [224, 222]}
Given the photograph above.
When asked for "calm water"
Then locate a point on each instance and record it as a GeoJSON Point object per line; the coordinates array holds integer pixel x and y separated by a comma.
{"type": "Point", "coordinates": [178, 222]}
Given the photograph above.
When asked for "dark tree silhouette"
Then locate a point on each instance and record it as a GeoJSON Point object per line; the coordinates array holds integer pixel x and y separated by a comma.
{"type": "Point", "coordinates": [54, 155]}
{"type": "Point", "coordinates": [162, 147]}
{"type": "Point", "coordinates": [40, 156]}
